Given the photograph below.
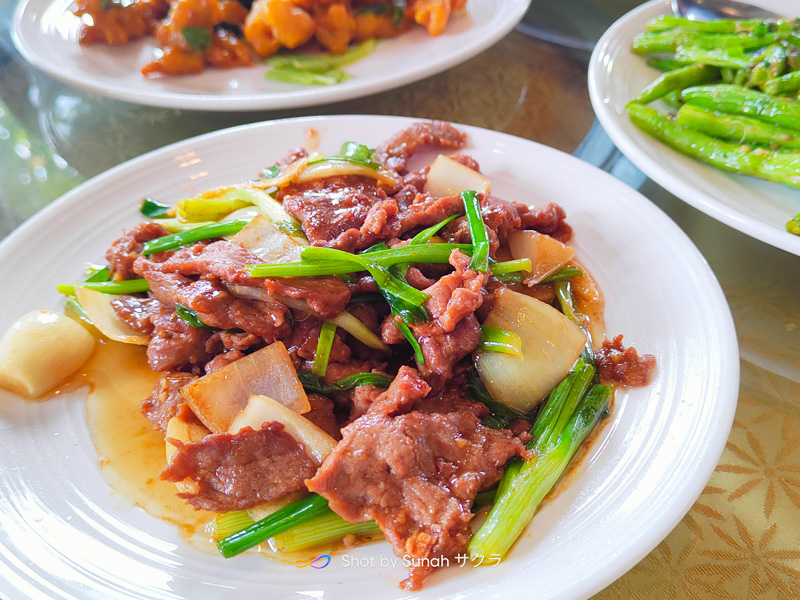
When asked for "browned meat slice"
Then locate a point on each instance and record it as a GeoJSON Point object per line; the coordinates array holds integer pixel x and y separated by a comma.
{"type": "Point", "coordinates": [395, 152]}
{"type": "Point", "coordinates": [223, 360]}
{"type": "Point", "coordinates": [222, 341]}
{"type": "Point", "coordinates": [166, 398]}
{"type": "Point", "coordinates": [175, 344]}
{"type": "Point", "coordinates": [137, 312]}
{"type": "Point", "coordinates": [453, 331]}
{"type": "Point", "coordinates": [123, 252]}
{"type": "Point", "coordinates": [416, 474]}
{"type": "Point", "coordinates": [302, 342]}
{"type": "Point", "coordinates": [327, 296]}
{"type": "Point", "coordinates": [549, 220]}
{"type": "Point", "coordinates": [617, 364]}
{"type": "Point", "coordinates": [214, 304]}
{"type": "Point", "coordinates": [236, 472]}
{"type": "Point", "coordinates": [321, 415]}
{"type": "Point", "coordinates": [330, 208]}
{"type": "Point", "coordinates": [224, 260]}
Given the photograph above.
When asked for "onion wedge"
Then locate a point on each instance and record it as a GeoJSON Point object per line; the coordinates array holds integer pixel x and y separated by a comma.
{"type": "Point", "coordinates": [551, 344]}
{"type": "Point", "coordinates": [219, 397]}
{"type": "Point", "coordinates": [448, 177]}
{"type": "Point", "coordinates": [263, 409]}
{"type": "Point", "coordinates": [547, 254]}
{"type": "Point", "coordinates": [103, 316]}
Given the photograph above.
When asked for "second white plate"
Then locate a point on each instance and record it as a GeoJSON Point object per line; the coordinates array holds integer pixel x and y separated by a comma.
{"type": "Point", "coordinates": [757, 208]}
{"type": "Point", "coordinates": [46, 33]}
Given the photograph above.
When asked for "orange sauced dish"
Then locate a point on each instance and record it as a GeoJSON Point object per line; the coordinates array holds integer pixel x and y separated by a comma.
{"type": "Point", "coordinates": [236, 33]}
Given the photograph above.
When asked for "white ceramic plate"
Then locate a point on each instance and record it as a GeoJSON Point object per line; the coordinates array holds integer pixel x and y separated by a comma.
{"type": "Point", "coordinates": [755, 207]}
{"type": "Point", "coordinates": [46, 33]}
{"type": "Point", "coordinates": [65, 536]}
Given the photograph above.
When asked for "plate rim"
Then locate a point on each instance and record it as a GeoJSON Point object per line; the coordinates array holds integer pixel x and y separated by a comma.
{"type": "Point", "coordinates": [726, 394]}
{"type": "Point", "coordinates": [268, 101]}
{"type": "Point", "coordinates": [631, 148]}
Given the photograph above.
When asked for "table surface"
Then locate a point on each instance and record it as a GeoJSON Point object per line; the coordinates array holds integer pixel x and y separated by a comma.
{"type": "Point", "coordinates": [741, 539]}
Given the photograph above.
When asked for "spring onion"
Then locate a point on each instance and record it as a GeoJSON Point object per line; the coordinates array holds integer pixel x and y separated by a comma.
{"type": "Point", "coordinates": [566, 302]}
{"type": "Point", "coordinates": [566, 273]}
{"type": "Point", "coordinates": [424, 236]}
{"type": "Point", "coordinates": [279, 521]}
{"type": "Point", "coordinates": [511, 266]}
{"type": "Point", "coordinates": [477, 231]}
{"type": "Point", "coordinates": [200, 209]}
{"type": "Point", "coordinates": [312, 383]}
{"type": "Point", "coordinates": [128, 286]}
{"type": "Point", "coordinates": [154, 210]}
{"type": "Point", "coordinates": [556, 439]}
{"type": "Point", "coordinates": [177, 240]}
{"type": "Point", "coordinates": [189, 315]}
{"type": "Point", "coordinates": [324, 529]}
{"type": "Point", "coordinates": [228, 523]}
{"type": "Point", "coordinates": [494, 339]}
{"type": "Point", "coordinates": [355, 153]}
{"type": "Point", "coordinates": [324, 346]}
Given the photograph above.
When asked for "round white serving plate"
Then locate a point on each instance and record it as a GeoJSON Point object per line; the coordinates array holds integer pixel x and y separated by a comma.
{"type": "Point", "coordinates": [63, 534]}
{"type": "Point", "coordinates": [755, 207]}
{"type": "Point", "coordinates": [46, 34]}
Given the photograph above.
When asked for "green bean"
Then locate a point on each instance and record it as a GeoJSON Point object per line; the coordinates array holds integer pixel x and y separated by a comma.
{"type": "Point", "coordinates": [718, 57]}
{"type": "Point", "coordinates": [771, 65]}
{"type": "Point", "coordinates": [735, 100]}
{"type": "Point", "coordinates": [678, 79]}
{"type": "Point", "coordinates": [780, 85]}
{"type": "Point", "coordinates": [774, 166]}
{"type": "Point", "coordinates": [664, 64]}
{"type": "Point", "coordinates": [737, 129]}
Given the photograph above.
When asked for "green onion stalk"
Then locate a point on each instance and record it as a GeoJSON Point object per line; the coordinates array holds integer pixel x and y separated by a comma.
{"type": "Point", "coordinates": [571, 413]}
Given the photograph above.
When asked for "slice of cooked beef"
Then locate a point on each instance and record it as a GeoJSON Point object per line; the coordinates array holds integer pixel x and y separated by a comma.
{"type": "Point", "coordinates": [321, 415]}
{"type": "Point", "coordinates": [453, 331]}
{"type": "Point", "coordinates": [166, 398]}
{"type": "Point", "coordinates": [395, 152]}
{"type": "Point", "coordinates": [137, 312]}
{"type": "Point", "coordinates": [549, 220]}
{"type": "Point", "coordinates": [123, 252]}
{"type": "Point", "coordinates": [223, 259]}
{"type": "Point", "coordinates": [617, 364]}
{"type": "Point", "coordinates": [327, 296]}
{"type": "Point", "coordinates": [175, 344]}
{"type": "Point", "coordinates": [416, 474]}
{"type": "Point", "coordinates": [214, 304]}
{"type": "Point", "coordinates": [331, 207]}
{"type": "Point", "coordinates": [222, 341]}
{"type": "Point", "coordinates": [239, 471]}
{"type": "Point", "coordinates": [303, 340]}
{"type": "Point", "coordinates": [223, 360]}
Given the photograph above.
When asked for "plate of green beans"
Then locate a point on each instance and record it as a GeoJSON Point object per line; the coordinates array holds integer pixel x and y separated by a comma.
{"type": "Point", "coordinates": [710, 111]}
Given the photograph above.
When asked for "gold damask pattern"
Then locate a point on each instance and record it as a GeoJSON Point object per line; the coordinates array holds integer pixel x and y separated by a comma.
{"type": "Point", "coordinates": [741, 539]}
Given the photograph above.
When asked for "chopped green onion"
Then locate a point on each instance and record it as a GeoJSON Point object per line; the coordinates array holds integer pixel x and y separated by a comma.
{"type": "Point", "coordinates": [198, 38]}
{"type": "Point", "coordinates": [324, 346]}
{"type": "Point", "coordinates": [409, 335]}
{"type": "Point", "coordinates": [270, 208]}
{"type": "Point", "coordinates": [564, 273]}
{"type": "Point", "coordinates": [511, 266]}
{"type": "Point", "coordinates": [494, 339]}
{"type": "Point", "coordinates": [279, 521]}
{"type": "Point", "coordinates": [176, 226]}
{"type": "Point", "coordinates": [271, 172]}
{"type": "Point", "coordinates": [99, 275]}
{"type": "Point", "coordinates": [154, 210]}
{"type": "Point", "coordinates": [312, 383]}
{"type": "Point", "coordinates": [228, 523]}
{"type": "Point", "coordinates": [189, 315]}
{"type": "Point", "coordinates": [511, 277]}
{"type": "Point", "coordinates": [72, 305]}
{"type": "Point", "coordinates": [194, 210]}
{"type": "Point", "coordinates": [324, 529]}
{"type": "Point", "coordinates": [565, 422]}
{"type": "Point", "coordinates": [128, 286]}
{"type": "Point", "coordinates": [566, 301]}
{"type": "Point", "coordinates": [424, 236]}
{"type": "Point", "coordinates": [177, 240]}
{"type": "Point", "coordinates": [477, 231]}
{"type": "Point", "coordinates": [380, 246]}
{"type": "Point", "coordinates": [355, 153]}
